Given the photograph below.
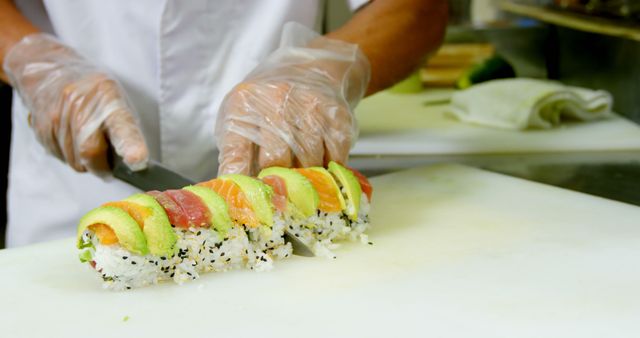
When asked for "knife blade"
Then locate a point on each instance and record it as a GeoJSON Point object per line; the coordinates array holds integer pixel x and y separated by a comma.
{"type": "Point", "coordinates": [298, 247]}
{"type": "Point", "coordinates": [154, 177]}
{"type": "Point", "coordinates": [158, 177]}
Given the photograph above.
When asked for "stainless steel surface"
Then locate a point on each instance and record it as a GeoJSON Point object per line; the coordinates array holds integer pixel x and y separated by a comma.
{"type": "Point", "coordinates": [603, 62]}
{"type": "Point", "coordinates": [612, 175]}
{"type": "Point", "coordinates": [523, 46]}
{"type": "Point", "coordinates": [155, 177]}
{"type": "Point", "coordinates": [299, 248]}
{"type": "Point", "coordinates": [616, 181]}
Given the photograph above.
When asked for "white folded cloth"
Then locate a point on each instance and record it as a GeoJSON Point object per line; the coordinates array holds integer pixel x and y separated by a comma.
{"type": "Point", "coordinates": [528, 103]}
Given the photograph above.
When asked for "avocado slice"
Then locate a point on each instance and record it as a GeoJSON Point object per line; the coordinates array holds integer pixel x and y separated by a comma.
{"type": "Point", "coordinates": [161, 238]}
{"type": "Point", "coordinates": [129, 234]}
{"type": "Point", "coordinates": [217, 207]}
{"type": "Point", "coordinates": [330, 178]}
{"type": "Point", "coordinates": [258, 194]}
{"type": "Point", "coordinates": [351, 186]}
{"type": "Point", "coordinates": [300, 191]}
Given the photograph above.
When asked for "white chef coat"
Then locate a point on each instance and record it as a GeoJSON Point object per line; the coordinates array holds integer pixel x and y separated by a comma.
{"type": "Point", "coordinates": [176, 60]}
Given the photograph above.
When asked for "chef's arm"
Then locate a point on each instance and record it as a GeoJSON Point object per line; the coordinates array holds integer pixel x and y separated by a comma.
{"type": "Point", "coordinates": [13, 27]}
{"type": "Point", "coordinates": [396, 36]}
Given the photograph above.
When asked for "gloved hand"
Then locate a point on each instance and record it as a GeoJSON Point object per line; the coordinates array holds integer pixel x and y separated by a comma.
{"type": "Point", "coordinates": [75, 108]}
{"type": "Point", "coordinates": [296, 108]}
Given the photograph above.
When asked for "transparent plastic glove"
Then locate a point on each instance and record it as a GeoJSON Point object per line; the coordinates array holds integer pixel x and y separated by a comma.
{"type": "Point", "coordinates": [296, 108]}
{"type": "Point", "coordinates": [76, 110]}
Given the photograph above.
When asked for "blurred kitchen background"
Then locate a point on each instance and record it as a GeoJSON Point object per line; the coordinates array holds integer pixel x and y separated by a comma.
{"type": "Point", "coordinates": [588, 43]}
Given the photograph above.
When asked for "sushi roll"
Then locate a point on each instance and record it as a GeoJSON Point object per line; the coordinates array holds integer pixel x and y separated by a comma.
{"type": "Point", "coordinates": [207, 239]}
{"type": "Point", "coordinates": [227, 223]}
{"type": "Point", "coordinates": [251, 208]}
{"type": "Point", "coordinates": [322, 206]}
{"type": "Point", "coordinates": [120, 240]}
{"type": "Point", "coordinates": [356, 191]}
{"type": "Point", "coordinates": [172, 235]}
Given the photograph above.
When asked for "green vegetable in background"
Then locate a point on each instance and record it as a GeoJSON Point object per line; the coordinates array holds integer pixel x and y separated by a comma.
{"type": "Point", "coordinates": [493, 68]}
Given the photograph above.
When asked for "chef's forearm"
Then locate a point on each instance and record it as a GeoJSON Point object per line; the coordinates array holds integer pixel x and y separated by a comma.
{"type": "Point", "coordinates": [13, 27]}
{"type": "Point", "coordinates": [396, 36]}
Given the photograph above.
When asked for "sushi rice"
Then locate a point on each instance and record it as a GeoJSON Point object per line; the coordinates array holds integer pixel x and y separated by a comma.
{"type": "Point", "coordinates": [322, 230]}
{"type": "Point", "coordinates": [197, 251]}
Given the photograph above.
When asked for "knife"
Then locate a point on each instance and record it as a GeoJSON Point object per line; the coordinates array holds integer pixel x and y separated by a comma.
{"type": "Point", "coordinates": [154, 177]}
{"type": "Point", "coordinates": [158, 177]}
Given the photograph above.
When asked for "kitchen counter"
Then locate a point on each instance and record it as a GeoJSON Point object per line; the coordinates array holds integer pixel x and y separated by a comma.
{"type": "Point", "coordinates": [602, 161]}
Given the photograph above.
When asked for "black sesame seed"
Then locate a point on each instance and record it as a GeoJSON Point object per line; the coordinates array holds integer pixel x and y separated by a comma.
{"type": "Point", "coordinates": [228, 259]}
{"type": "Point", "coordinates": [213, 261]}
{"type": "Point", "coordinates": [370, 243]}
{"type": "Point", "coordinates": [172, 274]}
{"type": "Point", "coordinates": [189, 273]}
{"type": "Point", "coordinates": [134, 263]}
{"type": "Point", "coordinates": [198, 233]}
{"type": "Point", "coordinates": [128, 288]}
{"type": "Point", "coordinates": [297, 235]}
{"type": "Point", "coordinates": [222, 254]}
{"type": "Point", "coordinates": [124, 257]}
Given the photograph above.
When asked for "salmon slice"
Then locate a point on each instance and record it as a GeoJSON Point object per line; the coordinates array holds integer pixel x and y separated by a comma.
{"type": "Point", "coordinates": [240, 209]}
{"type": "Point", "coordinates": [105, 234]}
{"type": "Point", "coordinates": [329, 199]}
{"type": "Point", "coordinates": [279, 198]}
{"type": "Point", "coordinates": [136, 211]}
{"type": "Point", "coordinates": [366, 187]}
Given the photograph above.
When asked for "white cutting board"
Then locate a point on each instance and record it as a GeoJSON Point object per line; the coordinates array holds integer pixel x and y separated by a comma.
{"type": "Point", "coordinates": [457, 252]}
{"type": "Point", "coordinates": [401, 124]}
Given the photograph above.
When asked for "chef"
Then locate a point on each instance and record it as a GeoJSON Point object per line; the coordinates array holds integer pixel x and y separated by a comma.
{"type": "Point", "coordinates": [196, 85]}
